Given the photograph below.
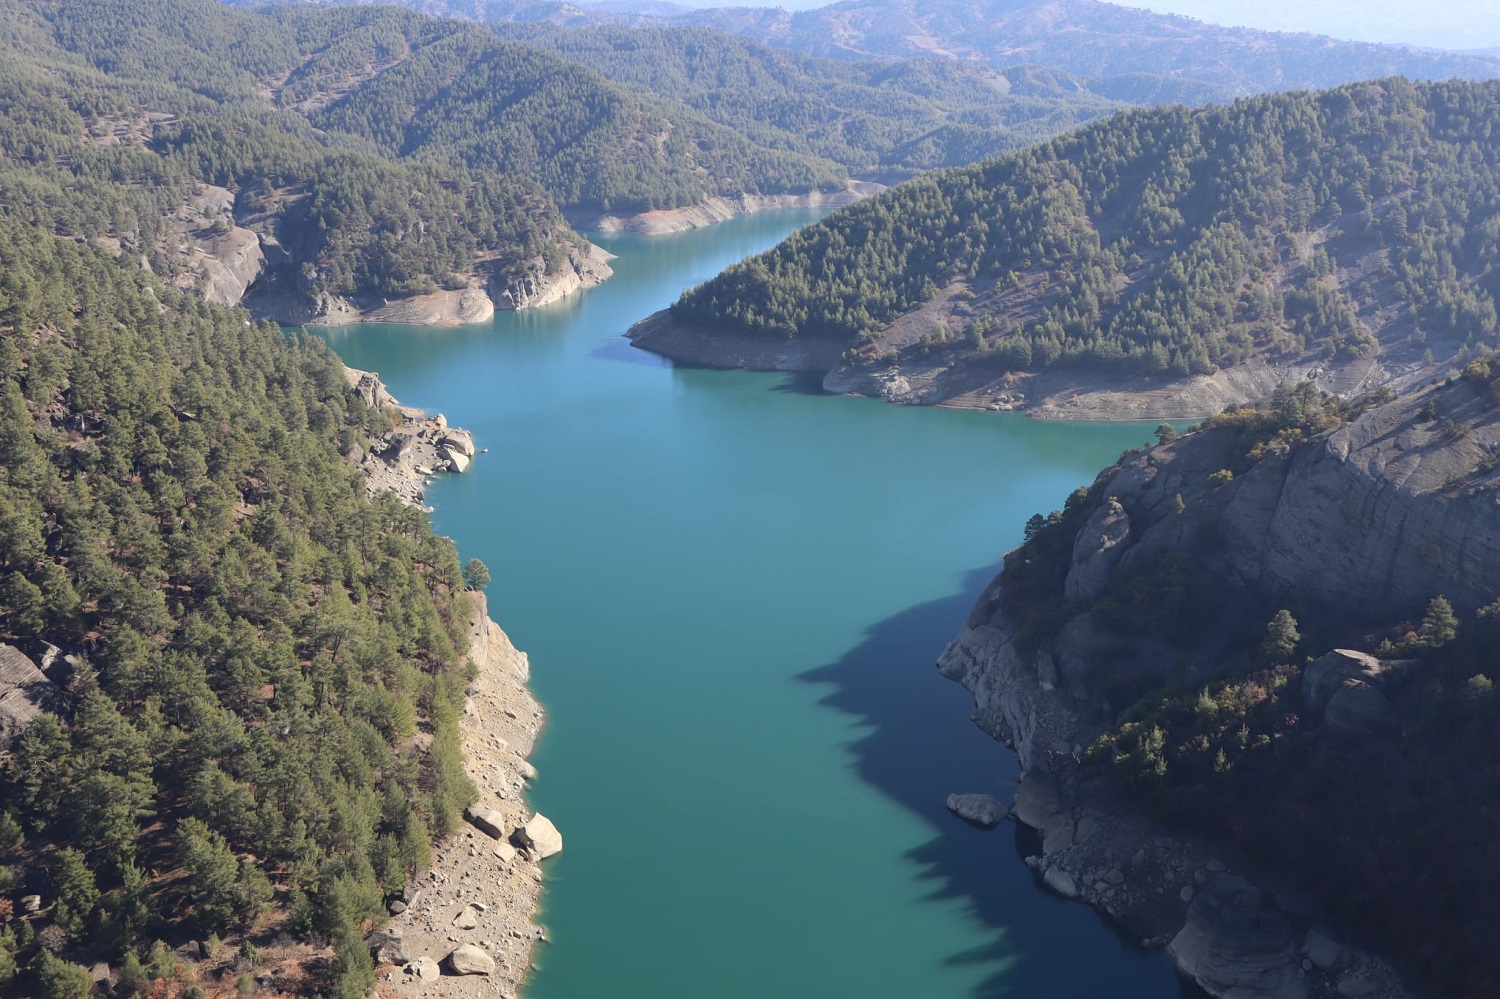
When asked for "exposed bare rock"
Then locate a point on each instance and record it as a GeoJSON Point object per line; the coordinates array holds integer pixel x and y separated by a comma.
{"type": "Point", "coordinates": [1359, 709]}
{"type": "Point", "coordinates": [403, 458]}
{"type": "Point", "coordinates": [1096, 551]}
{"type": "Point", "coordinates": [25, 693]}
{"type": "Point", "coordinates": [1325, 675]}
{"type": "Point", "coordinates": [489, 821]}
{"type": "Point", "coordinates": [721, 209]}
{"type": "Point", "coordinates": [471, 872]}
{"type": "Point", "coordinates": [980, 809]}
{"type": "Point", "coordinates": [468, 959]}
{"type": "Point", "coordinates": [1236, 943]}
{"type": "Point", "coordinates": [424, 969]}
{"type": "Point", "coordinates": [539, 287]}
{"type": "Point", "coordinates": [539, 837]}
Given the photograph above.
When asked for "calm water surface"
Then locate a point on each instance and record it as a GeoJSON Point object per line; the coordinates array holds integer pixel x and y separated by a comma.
{"type": "Point", "coordinates": [733, 590]}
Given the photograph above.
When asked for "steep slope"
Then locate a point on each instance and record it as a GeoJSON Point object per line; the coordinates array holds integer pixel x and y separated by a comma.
{"type": "Point", "coordinates": [248, 720]}
{"type": "Point", "coordinates": [1125, 652]}
{"type": "Point", "coordinates": [1190, 259]}
{"type": "Point", "coordinates": [146, 128]}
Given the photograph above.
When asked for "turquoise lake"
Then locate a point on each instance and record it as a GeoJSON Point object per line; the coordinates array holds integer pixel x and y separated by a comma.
{"type": "Point", "coordinates": [733, 589]}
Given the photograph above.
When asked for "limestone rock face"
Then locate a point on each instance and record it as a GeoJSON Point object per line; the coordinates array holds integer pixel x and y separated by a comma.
{"type": "Point", "coordinates": [470, 960]}
{"type": "Point", "coordinates": [538, 836]}
{"type": "Point", "coordinates": [1096, 551]}
{"type": "Point", "coordinates": [980, 809]}
{"type": "Point", "coordinates": [1236, 943]}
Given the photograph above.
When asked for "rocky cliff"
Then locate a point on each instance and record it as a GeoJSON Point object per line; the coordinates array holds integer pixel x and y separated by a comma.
{"type": "Point", "coordinates": [1360, 524]}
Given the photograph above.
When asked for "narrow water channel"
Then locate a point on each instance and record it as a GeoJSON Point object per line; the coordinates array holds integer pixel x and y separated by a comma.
{"type": "Point", "coordinates": [733, 589]}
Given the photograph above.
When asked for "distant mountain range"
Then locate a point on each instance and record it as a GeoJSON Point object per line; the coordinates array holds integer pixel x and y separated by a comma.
{"type": "Point", "coordinates": [1084, 37]}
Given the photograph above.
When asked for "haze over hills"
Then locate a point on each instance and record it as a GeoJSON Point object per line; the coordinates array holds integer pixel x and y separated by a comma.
{"type": "Point", "coordinates": [1085, 37]}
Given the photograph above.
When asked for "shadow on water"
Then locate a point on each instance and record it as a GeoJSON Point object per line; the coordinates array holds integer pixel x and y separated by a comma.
{"type": "Point", "coordinates": [920, 747]}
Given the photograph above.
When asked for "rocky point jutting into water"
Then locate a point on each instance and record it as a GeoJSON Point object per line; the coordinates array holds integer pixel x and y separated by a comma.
{"type": "Point", "coordinates": [1359, 526]}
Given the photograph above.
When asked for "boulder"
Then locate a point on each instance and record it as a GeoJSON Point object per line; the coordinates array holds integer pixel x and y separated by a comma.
{"type": "Point", "coordinates": [470, 960]}
{"type": "Point", "coordinates": [528, 772]}
{"type": "Point", "coordinates": [505, 852]}
{"type": "Point", "coordinates": [467, 919]}
{"type": "Point", "coordinates": [1324, 676]}
{"type": "Point", "coordinates": [486, 820]}
{"type": "Point", "coordinates": [1324, 951]}
{"type": "Point", "coordinates": [980, 809]}
{"type": "Point", "coordinates": [31, 903]}
{"type": "Point", "coordinates": [1359, 709]}
{"type": "Point", "coordinates": [424, 969]}
{"type": "Point", "coordinates": [538, 836]}
{"type": "Point", "coordinates": [457, 460]}
{"type": "Point", "coordinates": [388, 946]}
{"type": "Point", "coordinates": [1236, 942]}
{"type": "Point", "coordinates": [460, 441]}
{"type": "Point", "coordinates": [1061, 882]}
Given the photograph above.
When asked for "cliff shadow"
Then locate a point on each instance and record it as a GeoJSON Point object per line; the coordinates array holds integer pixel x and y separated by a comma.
{"type": "Point", "coordinates": [921, 746]}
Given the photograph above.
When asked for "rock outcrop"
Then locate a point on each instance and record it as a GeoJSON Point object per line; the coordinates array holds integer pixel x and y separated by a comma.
{"type": "Point", "coordinates": [981, 809]}
{"type": "Point", "coordinates": [539, 287]}
{"type": "Point", "coordinates": [1362, 524]}
{"type": "Point", "coordinates": [25, 693]}
{"type": "Point", "coordinates": [402, 459]}
{"type": "Point", "coordinates": [1235, 942]}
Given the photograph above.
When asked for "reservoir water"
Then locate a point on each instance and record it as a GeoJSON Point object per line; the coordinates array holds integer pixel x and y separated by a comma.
{"type": "Point", "coordinates": [733, 589]}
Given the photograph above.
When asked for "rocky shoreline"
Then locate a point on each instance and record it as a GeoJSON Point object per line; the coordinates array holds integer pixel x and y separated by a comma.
{"type": "Point", "coordinates": [713, 210]}
{"type": "Point", "coordinates": [1044, 395]}
{"type": "Point", "coordinates": [466, 927]}
{"type": "Point", "coordinates": [1229, 924]}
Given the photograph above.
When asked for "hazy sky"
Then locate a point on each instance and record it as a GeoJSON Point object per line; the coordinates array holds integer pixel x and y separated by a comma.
{"type": "Point", "coordinates": [1454, 24]}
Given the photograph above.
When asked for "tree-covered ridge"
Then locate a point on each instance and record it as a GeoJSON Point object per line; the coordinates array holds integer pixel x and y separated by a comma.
{"type": "Point", "coordinates": [1168, 241]}
{"type": "Point", "coordinates": [873, 118]}
{"type": "Point", "coordinates": [263, 706]}
{"type": "Point", "coordinates": [475, 100]}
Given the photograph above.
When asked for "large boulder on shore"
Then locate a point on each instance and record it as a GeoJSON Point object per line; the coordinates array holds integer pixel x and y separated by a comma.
{"type": "Point", "coordinates": [486, 820]}
{"type": "Point", "coordinates": [470, 960]}
{"type": "Point", "coordinates": [539, 837]}
{"type": "Point", "coordinates": [980, 809]}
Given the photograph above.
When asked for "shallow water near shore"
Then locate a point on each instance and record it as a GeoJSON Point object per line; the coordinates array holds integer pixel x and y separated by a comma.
{"type": "Point", "coordinates": [733, 589]}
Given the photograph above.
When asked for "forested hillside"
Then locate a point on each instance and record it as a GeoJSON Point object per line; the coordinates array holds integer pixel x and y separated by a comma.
{"type": "Point", "coordinates": [474, 100]}
{"type": "Point", "coordinates": [116, 114]}
{"type": "Point", "coordinates": [873, 118]}
{"type": "Point", "coordinates": [1357, 223]}
{"type": "Point", "coordinates": [255, 731]}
